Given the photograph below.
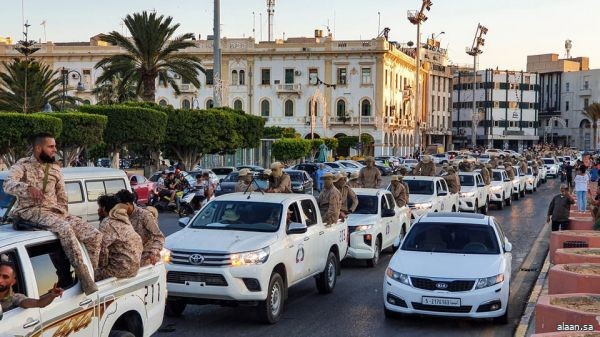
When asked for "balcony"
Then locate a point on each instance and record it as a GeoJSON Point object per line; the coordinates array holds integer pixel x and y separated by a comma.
{"type": "Point", "coordinates": [187, 88]}
{"type": "Point", "coordinates": [391, 121]}
{"type": "Point", "coordinates": [350, 120]}
{"type": "Point", "coordinates": [289, 88]}
{"type": "Point", "coordinates": [513, 132]}
{"type": "Point", "coordinates": [585, 91]}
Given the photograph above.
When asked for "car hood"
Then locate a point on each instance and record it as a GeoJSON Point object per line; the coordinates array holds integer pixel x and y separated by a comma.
{"type": "Point", "coordinates": [362, 219]}
{"type": "Point", "coordinates": [215, 240]}
{"type": "Point", "coordinates": [445, 265]}
{"type": "Point", "coordinates": [420, 198]}
{"type": "Point", "coordinates": [468, 189]}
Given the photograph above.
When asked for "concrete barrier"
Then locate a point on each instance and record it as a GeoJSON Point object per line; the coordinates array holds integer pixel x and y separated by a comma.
{"type": "Point", "coordinates": [554, 312]}
{"type": "Point", "coordinates": [577, 255]}
{"type": "Point", "coordinates": [574, 278]}
{"type": "Point", "coordinates": [573, 239]}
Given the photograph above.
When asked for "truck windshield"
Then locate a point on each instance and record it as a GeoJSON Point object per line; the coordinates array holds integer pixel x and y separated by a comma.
{"type": "Point", "coordinates": [420, 186]}
{"type": "Point", "coordinates": [367, 204]}
{"type": "Point", "coordinates": [239, 216]}
{"type": "Point", "coordinates": [549, 161]}
{"type": "Point", "coordinates": [497, 176]}
{"type": "Point", "coordinates": [466, 180]}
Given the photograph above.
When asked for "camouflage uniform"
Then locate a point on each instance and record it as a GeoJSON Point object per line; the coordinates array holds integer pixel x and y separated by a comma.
{"type": "Point", "coordinates": [121, 246]}
{"type": "Point", "coordinates": [485, 174]}
{"type": "Point", "coordinates": [330, 202]}
{"type": "Point", "coordinates": [52, 213]}
{"type": "Point", "coordinates": [146, 225]}
{"type": "Point", "coordinates": [370, 177]}
{"type": "Point", "coordinates": [523, 166]}
{"type": "Point", "coordinates": [406, 191]}
{"type": "Point", "coordinates": [399, 193]}
{"type": "Point", "coordinates": [510, 171]}
{"type": "Point", "coordinates": [11, 301]}
{"type": "Point", "coordinates": [346, 193]}
{"type": "Point", "coordinates": [241, 186]}
{"type": "Point", "coordinates": [493, 162]}
{"type": "Point", "coordinates": [452, 181]}
{"type": "Point", "coordinates": [281, 184]}
{"type": "Point", "coordinates": [353, 183]}
{"type": "Point", "coordinates": [424, 169]}
{"type": "Point", "coordinates": [465, 166]}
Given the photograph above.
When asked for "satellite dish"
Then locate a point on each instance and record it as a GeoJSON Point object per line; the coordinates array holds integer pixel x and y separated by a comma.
{"type": "Point", "coordinates": [410, 44]}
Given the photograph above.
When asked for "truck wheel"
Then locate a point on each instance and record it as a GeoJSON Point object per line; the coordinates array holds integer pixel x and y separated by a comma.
{"type": "Point", "coordinates": [185, 210]}
{"type": "Point", "coordinates": [485, 208]}
{"type": "Point", "coordinates": [475, 208]}
{"type": "Point", "coordinates": [375, 260]}
{"type": "Point", "coordinates": [501, 202]}
{"type": "Point", "coordinates": [516, 196]}
{"type": "Point", "coordinates": [523, 193]}
{"type": "Point", "coordinates": [174, 308]}
{"type": "Point", "coordinates": [270, 310]}
{"type": "Point", "coordinates": [328, 278]}
{"type": "Point", "coordinates": [120, 333]}
{"type": "Point", "coordinates": [509, 200]}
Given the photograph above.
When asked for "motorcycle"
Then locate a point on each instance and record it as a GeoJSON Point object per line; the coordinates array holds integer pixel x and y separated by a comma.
{"type": "Point", "coordinates": [163, 203]}
{"type": "Point", "coordinates": [192, 201]}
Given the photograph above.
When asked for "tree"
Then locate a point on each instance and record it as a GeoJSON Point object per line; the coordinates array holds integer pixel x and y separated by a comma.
{"type": "Point", "coordinates": [16, 130]}
{"type": "Point", "coordinates": [288, 150]}
{"type": "Point", "coordinates": [115, 90]}
{"type": "Point", "coordinates": [79, 131]}
{"type": "Point", "coordinates": [276, 132]}
{"type": "Point", "coordinates": [593, 112]}
{"type": "Point", "coordinates": [128, 125]}
{"type": "Point", "coordinates": [151, 52]}
{"type": "Point", "coordinates": [43, 86]}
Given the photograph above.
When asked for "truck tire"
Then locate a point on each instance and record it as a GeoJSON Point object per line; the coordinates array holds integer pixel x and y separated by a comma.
{"type": "Point", "coordinates": [502, 202]}
{"type": "Point", "coordinates": [120, 333]}
{"type": "Point", "coordinates": [270, 310]}
{"type": "Point", "coordinates": [174, 308]}
{"type": "Point", "coordinates": [486, 207]}
{"type": "Point", "coordinates": [328, 278]}
{"type": "Point", "coordinates": [371, 263]}
{"type": "Point", "coordinates": [401, 237]}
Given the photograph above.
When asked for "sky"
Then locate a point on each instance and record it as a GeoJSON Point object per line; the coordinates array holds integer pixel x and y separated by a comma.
{"type": "Point", "coordinates": [517, 28]}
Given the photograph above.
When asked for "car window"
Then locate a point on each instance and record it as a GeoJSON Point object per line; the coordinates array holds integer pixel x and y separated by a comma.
{"type": "Point", "coordinates": [466, 180]}
{"type": "Point", "coordinates": [499, 230]}
{"type": "Point", "coordinates": [133, 179]}
{"type": "Point", "coordinates": [74, 192]}
{"type": "Point", "coordinates": [367, 204]}
{"type": "Point", "coordinates": [310, 213]}
{"type": "Point", "coordinates": [100, 187]}
{"type": "Point", "coordinates": [497, 176]}
{"type": "Point", "coordinates": [479, 180]}
{"type": "Point", "coordinates": [239, 216]}
{"type": "Point", "coordinates": [419, 186]}
{"type": "Point", "coordinates": [452, 238]}
{"type": "Point", "coordinates": [390, 200]}
{"type": "Point", "coordinates": [222, 171]}
{"type": "Point", "coordinates": [114, 185]}
{"type": "Point", "coordinates": [140, 179]}
{"type": "Point", "coordinates": [232, 177]}
{"type": "Point", "coordinates": [51, 266]}
{"type": "Point", "coordinates": [12, 256]}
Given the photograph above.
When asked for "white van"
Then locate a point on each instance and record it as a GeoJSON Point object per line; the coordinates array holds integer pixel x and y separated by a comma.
{"type": "Point", "coordinates": [83, 185]}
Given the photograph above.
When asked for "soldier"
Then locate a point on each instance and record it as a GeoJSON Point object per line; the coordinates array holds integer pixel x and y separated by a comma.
{"type": "Point", "coordinates": [146, 225]}
{"type": "Point", "coordinates": [398, 191]}
{"type": "Point", "coordinates": [452, 181]}
{"type": "Point", "coordinates": [523, 166]}
{"type": "Point", "coordinates": [280, 181]}
{"type": "Point", "coordinates": [369, 176]}
{"type": "Point", "coordinates": [330, 200]}
{"type": "Point", "coordinates": [485, 174]}
{"type": "Point", "coordinates": [444, 170]}
{"type": "Point", "coordinates": [121, 246]}
{"type": "Point", "coordinates": [406, 190]}
{"type": "Point", "coordinates": [493, 162]}
{"type": "Point", "coordinates": [535, 168]}
{"type": "Point", "coordinates": [346, 194]}
{"type": "Point", "coordinates": [244, 181]}
{"type": "Point", "coordinates": [10, 300]}
{"type": "Point", "coordinates": [465, 166]}
{"type": "Point", "coordinates": [38, 184]}
{"type": "Point", "coordinates": [425, 167]}
{"type": "Point", "coordinates": [353, 182]}
{"type": "Point", "coordinates": [510, 171]}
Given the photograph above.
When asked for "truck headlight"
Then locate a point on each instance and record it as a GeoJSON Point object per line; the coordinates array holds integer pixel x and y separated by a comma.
{"type": "Point", "coordinates": [423, 205]}
{"type": "Point", "coordinates": [165, 255]}
{"type": "Point", "coordinates": [496, 188]}
{"type": "Point", "coordinates": [489, 281]}
{"type": "Point", "coordinates": [530, 180]}
{"type": "Point", "coordinates": [402, 278]}
{"type": "Point", "coordinates": [361, 228]}
{"type": "Point", "coordinates": [259, 256]}
{"type": "Point", "coordinates": [467, 194]}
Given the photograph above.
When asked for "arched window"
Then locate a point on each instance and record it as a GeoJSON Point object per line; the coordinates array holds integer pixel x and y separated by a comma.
{"type": "Point", "coordinates": [210, 104]}
{"type": "Point", "coordinates": [313, 108]}
{"type": "Point", "coordinates": [234, 77]}
{"type": "Point", "coordinates": [87, 102]}
{"type": "Point", "coordinates": [365, 108]}
{"type": "Point", "coordinates": [237, 105]}
{"type": "Point", "coordinates": [242, 77]}
{"type": "Point", "coordinates": [341, 108]}
{"type": "Point", "coordinates": [265, 108]}
{"type": "Point", "coordinates": [289, 108]}
{"type": "Point", "coordinates": [162, 102]}
{"type": "Point", "coordinates": [185, 104]}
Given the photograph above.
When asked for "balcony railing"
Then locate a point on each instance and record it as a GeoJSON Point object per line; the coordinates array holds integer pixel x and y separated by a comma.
{"type": "Point", "coordinates": [289, 88]}
{"type": "Point", "coordinates": [350, 120]}
{"type": "Point", "coordinates": [187, 88]}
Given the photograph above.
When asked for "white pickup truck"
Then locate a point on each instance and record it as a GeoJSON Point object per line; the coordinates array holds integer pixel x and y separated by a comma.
{"type": "Point", "coordinates": [249, 249]}
{"type": "Point", "coordinates": [377, 224]}
{"type": "Point", "coordinates": [120, 308]}
{"type": "Point", "coordinates": [501, 189]}
{"type": "Point", "coordinates": [429, 194]}
{"type": "Point", "coordinates": [474, 194]}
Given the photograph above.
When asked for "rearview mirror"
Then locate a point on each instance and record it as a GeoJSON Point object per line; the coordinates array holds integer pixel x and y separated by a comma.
{"type": "Point", "coordinates": [184, 221]}
{"type": "Point", "coordinates": [297, 228]}
{"type": "Point", "coordinates": [507, 246]}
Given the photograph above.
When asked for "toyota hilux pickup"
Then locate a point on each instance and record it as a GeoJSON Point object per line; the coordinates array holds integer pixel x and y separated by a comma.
{"type": "Point", "coordinates": [474, 194]}
{"type": "Point", "coordinates": [429, 194]}
{"type": "Point", "coordinates": [249, 248]}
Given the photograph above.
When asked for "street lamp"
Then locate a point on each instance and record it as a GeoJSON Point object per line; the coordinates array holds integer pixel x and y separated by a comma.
{"type": "Point", "coordinates": [416, 17]}
{"type": "Point", "coordinates": [65, 74]}
{"type": "Point", "coordinates": [475, 51]}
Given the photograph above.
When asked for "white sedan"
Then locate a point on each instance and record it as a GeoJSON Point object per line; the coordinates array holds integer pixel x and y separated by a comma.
{"type": "Point", "coordinates": [450, 264]}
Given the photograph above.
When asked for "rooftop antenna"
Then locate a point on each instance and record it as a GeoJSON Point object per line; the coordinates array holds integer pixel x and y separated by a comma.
{"type": "Point", "coordinates": [568, 46]}
{"type": "Point", "coordinates": [44, 24]}
{"type": "Point", "coordinates": [271, 12]}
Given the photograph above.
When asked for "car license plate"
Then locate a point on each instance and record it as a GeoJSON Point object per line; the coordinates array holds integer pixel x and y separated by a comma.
{"type": "Point", "coordinates": [441, 301]}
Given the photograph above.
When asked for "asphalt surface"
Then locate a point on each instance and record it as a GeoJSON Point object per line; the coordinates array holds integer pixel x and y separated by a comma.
{"type": "Point", "coordinates": [355, 308]}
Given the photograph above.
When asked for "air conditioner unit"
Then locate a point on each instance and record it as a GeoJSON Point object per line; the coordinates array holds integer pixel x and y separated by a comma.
{"type": "Point", "coordinates": [297, 73]}
{"type": "Point", "coordinates": [277, 81]}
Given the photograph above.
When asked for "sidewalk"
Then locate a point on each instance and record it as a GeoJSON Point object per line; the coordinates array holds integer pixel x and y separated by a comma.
{"type": "Point", "coordinates": [526, 326]}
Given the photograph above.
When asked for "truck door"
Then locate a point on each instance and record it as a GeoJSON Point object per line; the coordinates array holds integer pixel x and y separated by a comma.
{"type": "Point", "coordinates": [392, 222]}
{"type": "Point", "coordinates": [74, 314]}
{"type": "Point", "coordinates": [317, 246]}
{"type": "Point", "coordinates": [298, 248]}
{"type": "Point", "coordinates": [18, 321]}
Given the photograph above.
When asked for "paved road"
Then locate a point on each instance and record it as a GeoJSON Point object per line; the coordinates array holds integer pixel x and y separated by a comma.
{"type": "Point", "coordinates": [355, 308]}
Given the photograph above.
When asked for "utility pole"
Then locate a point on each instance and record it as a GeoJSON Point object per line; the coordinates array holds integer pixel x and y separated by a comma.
{"type": "Point", "coordinates": [416, 17]}
{"type": "Point", "coordinates": [475, 50]}
{"type": "Point", "coordinates": [217, 83]}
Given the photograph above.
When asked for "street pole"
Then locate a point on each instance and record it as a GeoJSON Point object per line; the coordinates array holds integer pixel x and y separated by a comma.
{"type": "Point", "coordinates": [217, 83]}
{"type": "Point", "coordinates": [417, 91]}
{"type": "Point", "coordinates": [475, 50]}
{"type": "Point", "coordinates": [475, 113]}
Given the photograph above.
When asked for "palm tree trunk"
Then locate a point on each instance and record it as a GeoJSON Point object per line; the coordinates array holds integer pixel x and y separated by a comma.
{"type": "Point", "coordinates": [149, 88]}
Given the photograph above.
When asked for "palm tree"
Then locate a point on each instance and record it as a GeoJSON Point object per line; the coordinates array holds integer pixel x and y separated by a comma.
{"type": "Point", "coordinates": [151, 52]}
{"type": "Point", "coordinates": [43, 86]}
{"type": "Point", "coordinates": [115, 91]}
{"type": "Point", "coordinates": [593, 112]}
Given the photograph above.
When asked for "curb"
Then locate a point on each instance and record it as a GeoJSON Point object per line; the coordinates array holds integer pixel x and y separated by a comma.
{"type": "Point", "coordinates": [531, 302]}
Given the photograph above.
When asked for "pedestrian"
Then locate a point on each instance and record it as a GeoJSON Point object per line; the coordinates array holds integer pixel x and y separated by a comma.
{"type": "Point", "coordinates": [121, 246]}
{"type": "Point", "coordinates": [560, 208]}
{"type": "Point", "coordinates": [281, 181]}
{"type": "Point", "coordinates": [319, 175]}
{"type": "Point", "coordinates": [146, 225]}
{"type": "Point", "coordinates": [38, 184]}
{"type": "Point", "coordinates": [209, 186]}
{"type": "Point", "coordinates": [596, 218]}
{"type": "Point", "coordinates": [370, 176]}
{"type": "Point", "coordinates": [347, 195]}
{"type": "Point", "coordinates": [398, 192]}
{"type": "Point", "coordinates": [329, 200]}
{"type": "Point", "coordinates": [582, 188]}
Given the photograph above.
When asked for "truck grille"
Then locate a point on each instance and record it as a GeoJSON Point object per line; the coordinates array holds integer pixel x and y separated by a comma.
{"type": "Point", "coordinates": [452, 286]}
{"type": "Point", "coordinates": [441, 308]}
{"type": "Point", "coordinates": [179, 277]}
{"type": "Point", "coordinates": [204, 259]}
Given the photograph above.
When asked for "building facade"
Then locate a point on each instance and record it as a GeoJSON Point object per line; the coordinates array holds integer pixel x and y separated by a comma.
{"type": "Point", "coordinates": [506, 108]}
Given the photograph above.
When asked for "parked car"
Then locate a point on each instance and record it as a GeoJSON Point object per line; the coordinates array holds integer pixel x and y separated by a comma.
{"type": "Point", "coordinates": [440, 158]}
{"type": "Point", "coordinates": [338, 167]}
{"type": "Point", "coordinates": [451, 264]}
{"type": "Point", "coordinates": [496, 153]}
{"type": "Point", "coordinates": [311, 169]}
{"type": "Point", "coordinates": [301, 181]}
{"type": "Point", "coordinates": [391, 159]}
{"type": "Point", "coordinates": [501, 189]}
{"type": "Point", "coordinates": [484, 158]}
{"type": "Point", "coordinates": [254, 168]}
{"type": "Point", "coordinates": [385, 170]}
{"type": "Point", "coordinates": [474, 194]}
{"type": "Point", "coordinates": [222, 172]}
{"type": "Point", "coordinates": [409, 163]}
{"type": "Point", "coordinates": [228, 184]}
{"type": "Point", "coordinates": [142, 187]}
{"type": "Point", "coordinates": [103, 162]}
{"type": "Point", "coordinates": [351, 165]}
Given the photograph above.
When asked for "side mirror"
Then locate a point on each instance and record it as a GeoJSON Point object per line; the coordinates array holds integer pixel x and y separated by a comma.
{"type": "Point", "coordinates": [387, 213]}
{"type": "Point", "coordinates": [507, 246]}
{"type": "Point", "coordinates": [133, 183]}
{"type": "Point", "coordinates": [480, 185]}
{"type": "Point", "coordinates": [183, 222]}
{"type": "Point", "coordinates": [521, 175]}
{"type": "Point", "coordinates": [221, 180]}
{"type": "Point", "coordinates": [442, 193]}
{"type": "Point", "coordinates": [507, 180]}
{"type": "Point", "coordinates": [297, 228]}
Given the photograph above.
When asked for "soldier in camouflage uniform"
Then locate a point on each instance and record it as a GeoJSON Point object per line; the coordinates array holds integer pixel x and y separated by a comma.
{"type": "Point", "coordinates": [244, 181]}
{"type": "Point", "coordinates": [121, 246]}
{"type": "Point", "coordinates": [399, 191]}
{"type": "Point", "coordinates": [38, 184]}
{"type": "Point", "coordinates": [425, 167]}
{"type": "Point", "coordinates": [510, 171]}
{"type": "Point", "coordinates": [353, 182]}
{"type": "Point", "coordinates": [485, 174]}
{"type": "Point", "coordinates": [523, 166]}
{"type": "Point", "coordinates": [465, 166]}
{"type": "Point", "coordinates": [346, 194]}
{"type": "Point", "coordinates": [146, 225]}
{"type": "Point", "coordinates": [452, 180]}
{"type": "Point", "coordinates": [369, 176]}
{"type": "Point", "coordinates": [493, 162]}
{"type": "Point", "coordinates": [281, 181]}
{"type": "Point", "coordinates": [406, 190]}
{"type": "Point", "coordinates": [330, 200]}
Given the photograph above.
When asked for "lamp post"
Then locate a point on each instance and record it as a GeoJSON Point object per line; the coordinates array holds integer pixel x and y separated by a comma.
{"type": "Point", "coordinates": [474, 51]}
{"type": "Point", "coordinates": [65, 74]}
{"type": "Point", "coordinates": [416, 17]}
